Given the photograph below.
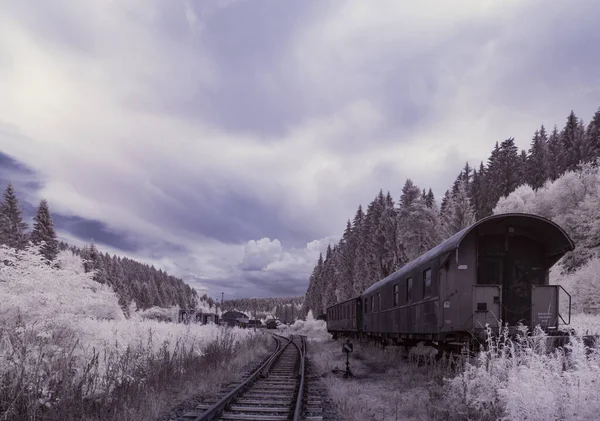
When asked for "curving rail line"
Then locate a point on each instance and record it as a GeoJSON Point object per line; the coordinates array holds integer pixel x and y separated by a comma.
{"type": "Point", "coordinates": [274, 391]}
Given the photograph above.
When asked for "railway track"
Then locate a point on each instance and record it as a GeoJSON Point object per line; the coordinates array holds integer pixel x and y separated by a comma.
{"type": "Point", "coordinates": [276, 390]}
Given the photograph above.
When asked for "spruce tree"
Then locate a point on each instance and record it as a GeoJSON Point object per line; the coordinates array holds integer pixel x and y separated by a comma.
{"type": "Point", "coordinates": [466, 175]}
{"type": "Point", "coordinates": [430, 199]}
{"type": "Point", "coordinates": [555, 155]}
{"type": "Point", "coordinates": [536, 172]}
{"type": "Point", "coordinates": [571, 139]}
{"type": "Point", "coordinates": [478, 193]}
{"type": "Point", "coordinates": [43, 232]}
{"type": "Point", "coordinates": [492, 188]}
{"type": "Point", "coordinates": [418, 228]}
{"type": "Point", "coordinates": [459, 213]}
{"type": "Point", "coordinates": [510, 165]}
{"type": "Point", "coordinates": [12, 228]}
{"type": "Point", "coordinates": [592, 139]}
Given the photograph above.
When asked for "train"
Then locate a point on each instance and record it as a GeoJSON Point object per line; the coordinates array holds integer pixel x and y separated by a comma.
{"type": "Point", "coordinates": [494, 272]}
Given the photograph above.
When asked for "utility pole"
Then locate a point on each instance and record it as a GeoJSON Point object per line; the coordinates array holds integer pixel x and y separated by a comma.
{"type": "Point", "coordinates": [222, 295]}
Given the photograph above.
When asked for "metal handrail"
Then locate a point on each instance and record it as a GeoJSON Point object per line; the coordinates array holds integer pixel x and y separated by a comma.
{"type": "Point", "coordinates": [559, 315]}
{"type": "Point", "coordinates": [298, 410]}
{"type": "Point", "coordinates": [211, 412]}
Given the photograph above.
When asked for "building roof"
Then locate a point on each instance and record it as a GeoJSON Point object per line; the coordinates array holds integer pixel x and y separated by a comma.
{"type": "Point", "coordinates": [552, 236]}
{"type": "Point", "coordinates": [233, 315]}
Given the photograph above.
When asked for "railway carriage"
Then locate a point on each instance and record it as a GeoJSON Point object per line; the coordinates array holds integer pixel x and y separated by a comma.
{"type": "Point", "coordinates": [495, 271]}
{"type": "Point", "coordinates": [345, 318]}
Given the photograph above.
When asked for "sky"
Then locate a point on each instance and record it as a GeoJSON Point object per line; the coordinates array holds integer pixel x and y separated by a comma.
{"type": "Point", "coordinates": [229, 141]}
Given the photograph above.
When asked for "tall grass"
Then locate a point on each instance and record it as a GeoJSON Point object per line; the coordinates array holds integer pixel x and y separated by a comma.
{"type": "Point", "coordinates": [48, 377]}
{"type": "Point", "coordinates": [524, 377]}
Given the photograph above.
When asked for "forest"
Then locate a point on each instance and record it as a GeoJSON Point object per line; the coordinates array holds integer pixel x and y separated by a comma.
{"type": "Point", "coordinates": [388, 233]}
{"type": "Point", "coordinates": [133, 281]}
{"type": "Point", "coordinates": [286, 309]}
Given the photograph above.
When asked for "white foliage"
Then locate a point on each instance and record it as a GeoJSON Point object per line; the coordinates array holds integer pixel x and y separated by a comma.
{"type": "Point", "coordinates": [519, 380]}
{"type": "Point", "coordinates": [584, 286]}
{"type": "Point", "coordinates": [38, 292]}
{"type": "Point", "coordinates": [58, 310]}
{"type": "Point", "coordinates": [315, 330]}
{"type": "Point", "coordinates": [521, 199]}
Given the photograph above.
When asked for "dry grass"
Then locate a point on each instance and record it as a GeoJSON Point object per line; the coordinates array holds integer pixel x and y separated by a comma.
{"type": "Point", "coordinates": [387, 384]}
{"type": "Point", "coordinates": [518, 378]}
{"type": "Point", "coordinates": [42, 377]}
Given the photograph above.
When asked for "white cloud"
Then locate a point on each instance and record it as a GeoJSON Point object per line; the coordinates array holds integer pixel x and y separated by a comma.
{"type": "Point", "coordinates": [90, 115]}
{"type": "Point", "coordinates": [270, 256]}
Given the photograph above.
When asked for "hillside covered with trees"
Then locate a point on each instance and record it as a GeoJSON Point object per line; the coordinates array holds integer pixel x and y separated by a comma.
{"type": "Point", "coordinates": [388, 233]}
{"type": "Point", "coordinates": [286, 309]}
{"type": "Point", "coordinates": [132, 281]}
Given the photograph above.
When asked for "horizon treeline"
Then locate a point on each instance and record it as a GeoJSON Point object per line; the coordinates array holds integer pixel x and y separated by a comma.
{"type": "Point", "coordinates": [132, 281]}
{"type": "Point", "coordinates": [286, 309]}
{"type": "Point", "coordinates": [388, 234]}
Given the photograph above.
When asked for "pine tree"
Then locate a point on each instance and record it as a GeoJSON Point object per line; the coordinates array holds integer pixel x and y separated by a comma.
{"type": "Point", "coordinates": [592, 139]}
{"type": "Point", "coordinates": [445, 201]}
{"type": "Point", "coordinates": [475, 193]}
{"type": "Point", "coordinates": [522, 177]}
{"type": "Point", "coordinates": [466, 175]}
{"type": "Point", "coordinates": [478, 193]}
{"type": "Point", "coordinates": [12, 228]}
{"type": "Point", "coordinates": [492, 189]}
{"type": "Point", "coordinates": [459, 214]}
{"type": "Point", "coordinates": [509, 163]}
{"type": "Point", "coordinates": [571, 139]}
{"type": "Point", "coordinates": [43, 231]}
{"type": "Point", "coordinates": [555, 155]}
{"type": "Point", "coordinates": [536, 172]}
{"type": "Point", "coordinates": [346, 262]}
{"type": "Point", "coordinates": [417, 225]}
{"type": "Point", "coordinates": [430, 199]}
{"type": "Point", "coordinates": [328, 279]}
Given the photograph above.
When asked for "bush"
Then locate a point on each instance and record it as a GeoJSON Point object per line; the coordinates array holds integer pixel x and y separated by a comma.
{"type": "Point", "coordinates": [522, 379]}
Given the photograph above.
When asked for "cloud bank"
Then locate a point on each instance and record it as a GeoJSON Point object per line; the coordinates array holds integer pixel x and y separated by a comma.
{"type": "Point", "coordinates": [220, 139]}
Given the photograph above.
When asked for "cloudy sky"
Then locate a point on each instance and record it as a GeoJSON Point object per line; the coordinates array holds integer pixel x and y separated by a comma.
{"type": "Point", "coordinates": [228, 141]}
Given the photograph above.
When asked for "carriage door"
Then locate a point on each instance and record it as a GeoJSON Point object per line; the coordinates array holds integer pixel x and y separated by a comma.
{"type": "Point", "coordinates": [487, 294]}
{"type": "Point", "coordinates": [526, 267]}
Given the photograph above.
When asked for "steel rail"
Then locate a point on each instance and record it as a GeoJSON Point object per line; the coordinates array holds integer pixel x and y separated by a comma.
{"type": "Point", "coordinates": [212, 412]}
{"type": "Point", "coordinates": [302, 351]}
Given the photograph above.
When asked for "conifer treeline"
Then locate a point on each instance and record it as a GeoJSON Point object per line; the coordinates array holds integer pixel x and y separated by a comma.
{"type": "Point", "coordinates": [286, 309]}
{"type": "Point", "coordinates": [132, 281]}
{"type": "Point", "coordinates": [135, 281]}
{"type": "Point", "coordinates": [387, 235]}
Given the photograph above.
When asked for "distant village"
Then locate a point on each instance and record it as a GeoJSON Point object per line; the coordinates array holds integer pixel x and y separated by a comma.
{"type": "Point", "coordinates": [230, 318]}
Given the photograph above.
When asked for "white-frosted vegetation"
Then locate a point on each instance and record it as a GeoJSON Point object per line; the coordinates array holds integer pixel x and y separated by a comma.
{"type": "Point", "coordinates": [68, 351]}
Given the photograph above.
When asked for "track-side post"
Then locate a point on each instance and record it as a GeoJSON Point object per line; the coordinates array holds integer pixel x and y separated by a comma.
{"type": "Point", "coordinates": [348, 348]}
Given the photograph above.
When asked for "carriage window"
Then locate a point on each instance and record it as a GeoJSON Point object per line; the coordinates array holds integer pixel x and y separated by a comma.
{"type": "Point", "coordinates": [373, 303]}
{"type": "Point", "coordinates": [395, 295]}
{"type": "Point", "coordinates": [427, 283]}
{"type": "Point", "coordinates": [409, 290]}
{"type": "Point", "coordinates": [366, 306]}
{"type": "Point", "coordinates": [379, 301]}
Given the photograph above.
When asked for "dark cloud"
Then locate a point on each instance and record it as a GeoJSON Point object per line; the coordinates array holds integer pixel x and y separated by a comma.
{"type": "Point", "coordinates": [97, 232]}
{"type": "Point", "coordinates": [246, 42]}
{"type": "Point", "coordinates": [230, 212]}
